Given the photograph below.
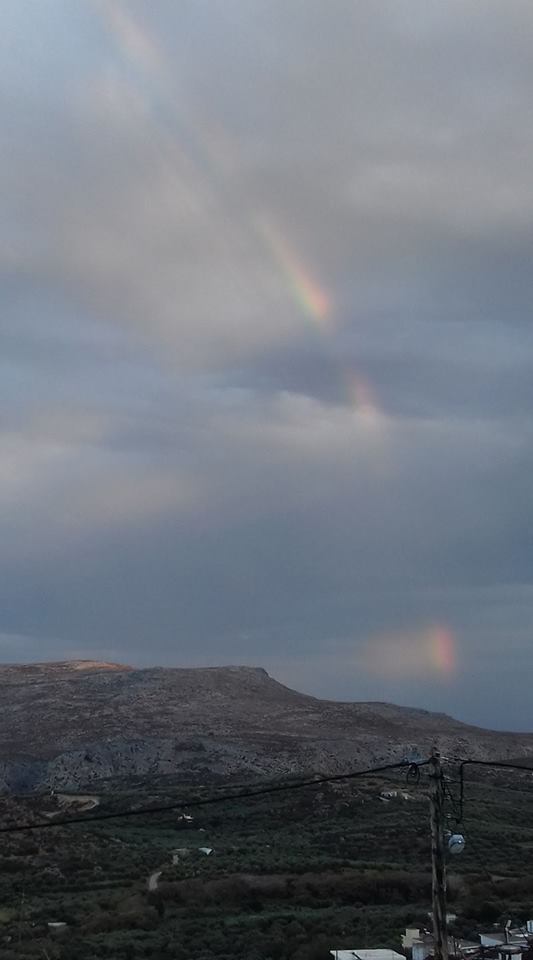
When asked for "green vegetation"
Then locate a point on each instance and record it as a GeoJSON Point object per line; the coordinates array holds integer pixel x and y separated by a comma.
{"type": "Point", "coordinates": [289, 877]}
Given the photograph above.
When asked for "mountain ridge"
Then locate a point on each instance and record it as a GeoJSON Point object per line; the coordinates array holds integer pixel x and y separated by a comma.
{"type": "Point", "coordinates": [67, 724]}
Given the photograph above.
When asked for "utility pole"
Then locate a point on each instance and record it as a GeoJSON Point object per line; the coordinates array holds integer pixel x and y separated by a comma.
{"type": "Point", "coordinates": [438, 865]}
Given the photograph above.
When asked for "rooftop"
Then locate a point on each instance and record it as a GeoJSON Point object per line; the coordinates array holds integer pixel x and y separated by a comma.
{"type": "Point", "coordinates": [366, 955]}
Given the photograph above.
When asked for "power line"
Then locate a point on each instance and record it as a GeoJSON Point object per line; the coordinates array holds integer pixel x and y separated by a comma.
{"type": "Point", "coordinates": [219, 798]}
{"type": "Point", "coordinates": [439, 792]}
{"type": "Point", "coordinates": [504, 764]}
{"type": "Point", "coordinates": [410, 766]}
{"type": "Point", "coordinates": [498, 764]}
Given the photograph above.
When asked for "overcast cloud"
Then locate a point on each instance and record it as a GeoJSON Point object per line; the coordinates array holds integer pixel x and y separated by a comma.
{"type": "Point", "coordinates": [267, 355]}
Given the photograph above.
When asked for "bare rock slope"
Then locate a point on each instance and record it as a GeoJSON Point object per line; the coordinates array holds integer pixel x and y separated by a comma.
{"type": "Point", "coordinates": [70, 724]}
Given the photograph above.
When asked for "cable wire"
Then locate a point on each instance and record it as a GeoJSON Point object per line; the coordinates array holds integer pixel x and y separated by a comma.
{"type": "Point", "coordinates": [206, 801]}
{"type": "Point", "coordinates": [260, 792]}
{"type": "Point", "coordinates": [483, 763]}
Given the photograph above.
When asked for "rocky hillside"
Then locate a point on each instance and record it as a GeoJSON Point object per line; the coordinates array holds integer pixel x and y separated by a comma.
{"type": "Point", "coordinates": [70, 724]}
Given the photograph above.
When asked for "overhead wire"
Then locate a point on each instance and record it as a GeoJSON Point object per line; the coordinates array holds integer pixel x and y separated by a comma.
{"type": "Point", "coordinates": [196, 802]}
{"type": "Point", "coordinates": [412, 768]}
{"type": "Point", "coordinates": [504, 764]}
{"type": "Point", "coordinates": [497, 764]}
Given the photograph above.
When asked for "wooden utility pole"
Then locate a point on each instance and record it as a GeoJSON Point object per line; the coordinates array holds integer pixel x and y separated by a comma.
{"type": "Point", "coordinates": [438, 864]}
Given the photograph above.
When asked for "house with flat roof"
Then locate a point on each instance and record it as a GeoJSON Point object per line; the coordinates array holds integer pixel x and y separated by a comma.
{"type": "Point", "coordinates": [495, 937]}
{"type": "Point", "coordinates": [420, 944]}
{"type": "Point", "coordinates": [364, 954]}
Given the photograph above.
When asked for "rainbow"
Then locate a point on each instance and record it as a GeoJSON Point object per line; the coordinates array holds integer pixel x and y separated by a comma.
{"type": "Point", "coordinates": [428, 651]}
{"type": "Point", "coordinates": [316, 304]}
{"type": "Point", "coordinates": [132, 39]}
{"type": "Point", "coordinates": [306, 290]}
{"type": "Point", "coordinates": [210, 154]}
{"type": "Point", "coordinates": [442, 649]}
{"type": "Point", "coordinates": [361, 397]}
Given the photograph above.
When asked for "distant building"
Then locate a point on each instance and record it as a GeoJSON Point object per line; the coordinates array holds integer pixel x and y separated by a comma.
{"type": "Point", "coordinates": [411, 934]}
{"type": "Point", "coordinates": [507, 951]}
{"type": "Point", "coordinates": [492, 939]}
{"type": "Point", "coordinates": [421, 948]}
{"type": "Point", "coordinates": [509, 935]}
{"type": "Point", "coordinates": [450, 917]}
{"type": "Point", "coordinates": [366, 955]}
{"type": "Point", "coordinates": [420, 945]}
{"type": "Point", "coordinates": [462, 948]}
{"type": "Point", "coordinates": [495, 944]}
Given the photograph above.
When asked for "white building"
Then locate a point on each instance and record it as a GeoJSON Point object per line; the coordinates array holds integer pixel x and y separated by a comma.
{"type": "Point", "coordinates": [408, 938]}
{"type": "Point", "coordinates": [509, 951]}
{"type": "Point", "coordinates": [494, 938]}
{"type": "Point", "coordinates": [420, 949]}
{"type": "Point", "coordinates": [366, 955]}
{"type": "Point", "coordinates": [420, 944]}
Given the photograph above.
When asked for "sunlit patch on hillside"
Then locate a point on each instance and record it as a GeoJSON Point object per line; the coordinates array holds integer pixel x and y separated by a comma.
{"type": "Point", "coordinates": [95, 665]}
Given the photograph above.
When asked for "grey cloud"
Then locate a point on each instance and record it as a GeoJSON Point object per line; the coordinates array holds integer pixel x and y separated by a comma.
{"type": "Point", "coordinates": [181, 461]}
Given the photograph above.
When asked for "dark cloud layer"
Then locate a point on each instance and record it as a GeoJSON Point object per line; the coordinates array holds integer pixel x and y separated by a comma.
{"type": "Point", "coordinates": [266, 343]}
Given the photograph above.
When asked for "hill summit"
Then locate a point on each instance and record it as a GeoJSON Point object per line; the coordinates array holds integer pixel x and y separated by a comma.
{"type": "Point", "coordinates": [74, 723]}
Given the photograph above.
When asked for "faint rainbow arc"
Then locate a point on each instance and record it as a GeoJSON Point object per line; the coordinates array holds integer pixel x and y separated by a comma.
{"type": "Point", "coordinates": [305, 289]}
{"type": "Point", "coordinates": [443, 649]}
{"type": "Point", "coordinates": [140, 48]}
{"type": "Point", "coordinates": [313, 300]}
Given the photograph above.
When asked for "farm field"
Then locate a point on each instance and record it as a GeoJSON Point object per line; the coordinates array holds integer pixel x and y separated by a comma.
{"type": "Point", "coordinates": [289, 875]}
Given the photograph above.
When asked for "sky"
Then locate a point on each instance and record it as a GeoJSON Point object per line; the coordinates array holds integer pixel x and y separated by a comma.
{"type": "Point", "coordinates": [266, 349]}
